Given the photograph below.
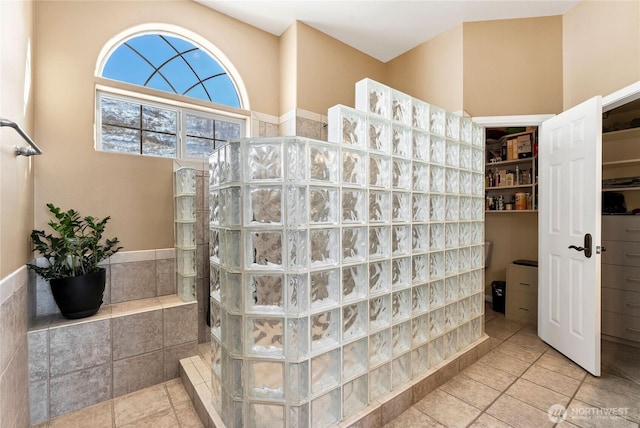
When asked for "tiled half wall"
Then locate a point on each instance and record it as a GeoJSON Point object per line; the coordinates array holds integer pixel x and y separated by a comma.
{"type": "Point", "coordinates": [136, 339]}
{"type": "Point", "coordinates": [14, 392]}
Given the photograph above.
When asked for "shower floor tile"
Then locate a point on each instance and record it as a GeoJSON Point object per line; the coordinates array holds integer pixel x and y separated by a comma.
{"type": "Point", "coordinates": [163, 405]}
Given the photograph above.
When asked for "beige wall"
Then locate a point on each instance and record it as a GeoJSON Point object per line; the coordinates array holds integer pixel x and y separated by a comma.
{"type": "Point", "coordinates": [135, 191]}
{"type": "Point", "coordinates": [601, 44]}
{"type": "Point", "coordinates": [16, 173]}
{"type": "Point", "coordinates": [431, 71]}
{"type": "Point", "coordinates": [514, 236]}
{"type": "Point", "coordinates": [327, 70]}
{"type": "Point", "coordinates": [513, 67]}
{"type": "Point", "coordinates": [288, 69]}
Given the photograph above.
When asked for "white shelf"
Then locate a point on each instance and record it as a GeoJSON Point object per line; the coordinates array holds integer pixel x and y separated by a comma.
{"type": "Point", "coordinates": [511, 211]}
{"type": "Point", "coordinates": [619, 189]}
{"type": "Point", "coordinates": [626, 162]}
{"type": "Point", "coordinates": [508, 162]}
{"type": "Point", "coordinates": [622, 134]}
{"type": "Point", "coordinates": [519, 186]}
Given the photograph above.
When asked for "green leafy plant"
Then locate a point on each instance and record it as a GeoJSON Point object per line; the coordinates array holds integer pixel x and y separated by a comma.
{"type": "Point", "coordinates": [77, 249]}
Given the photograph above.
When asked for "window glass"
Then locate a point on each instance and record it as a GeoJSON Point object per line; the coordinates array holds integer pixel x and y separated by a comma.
{"type": "Point", "coordinates": [171, 64]}
{"type": "Point", "coordinates": [155, 129]}
{"type": "Point", "coordinates": [129, 123]}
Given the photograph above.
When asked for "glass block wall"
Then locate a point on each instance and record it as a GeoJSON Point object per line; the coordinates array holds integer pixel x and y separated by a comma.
{"type": "Point", "coordinates": [341, 271]}
{"type": "Point", "coordinates": [184, 185]}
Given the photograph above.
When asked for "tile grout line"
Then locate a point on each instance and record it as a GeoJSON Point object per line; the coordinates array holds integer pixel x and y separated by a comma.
{"type": "Point", "coordinates": [501, 393]}
{"type": "Point", "coordinates": [171, 403]}
{"type": "Point", "coordinates": [505, 390]}
{"type": "Point", "coordinates": [582, 382]}
{"type": "Point", "coordinates": [573, 396]}
{"type": "Point", "coordinates": [113, 401]}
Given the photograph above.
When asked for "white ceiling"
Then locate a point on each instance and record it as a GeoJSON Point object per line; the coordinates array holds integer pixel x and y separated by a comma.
{"type": "Point", "coordinates": [383, 29]}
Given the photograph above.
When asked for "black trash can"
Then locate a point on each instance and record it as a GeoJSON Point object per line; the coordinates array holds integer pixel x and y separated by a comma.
{"type": "Point", "coordinates": [498, 291]}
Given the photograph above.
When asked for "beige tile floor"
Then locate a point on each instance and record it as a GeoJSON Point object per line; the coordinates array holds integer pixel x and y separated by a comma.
{"type": "Point", "coordinates": [512, 386]}
{"type": "Point", "coordinates": [521, 377]}
{"type": "Point", "coordinates": [166, 405]}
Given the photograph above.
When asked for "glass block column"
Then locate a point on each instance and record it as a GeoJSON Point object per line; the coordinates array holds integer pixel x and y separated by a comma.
{"type": "Point", "coordinates": [342, 271]}
{"type": "Point", "coordinates": [185, 232]}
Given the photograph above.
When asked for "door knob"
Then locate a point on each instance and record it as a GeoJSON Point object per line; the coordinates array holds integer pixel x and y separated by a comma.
{"type": "Point", "coordinates": [586, 248]}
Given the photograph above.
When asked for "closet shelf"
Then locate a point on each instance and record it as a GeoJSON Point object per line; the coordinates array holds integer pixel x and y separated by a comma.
{"type": "Point", "coordinates": [620, 189]}
{"type": "Point", "coordinates": [623, 133]}
{"type": "Point", "coordinates": [508, 162]}
{"type": "Point", "coordinates": [626, 162]}
{"type": "Point", "coordinates": [519, 186]}
{"type": "Point", "coordinates": [511, 211]}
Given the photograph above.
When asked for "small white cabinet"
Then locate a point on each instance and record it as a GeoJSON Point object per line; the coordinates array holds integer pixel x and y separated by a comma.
{"type": "Point", "coordinates": [522, 293]}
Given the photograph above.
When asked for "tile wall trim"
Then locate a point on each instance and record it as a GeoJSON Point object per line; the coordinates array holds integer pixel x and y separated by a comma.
{"type": "Point", "coordinates": [126, 257]}
{"type": "Point", "coordinates": [133, 256]}
{"type": "Point", "coordinates": [197, 165]}
{"type": "Point", "coordinates": [305, 114]}
{"type": "Point", "coordinates": [165, 254]}
{"type": "Point", "coordinates": [291, 114]}
{"type": "Point", "coordinates": [12, 282]}
{"type": "Point", "coordinates": [256, 118]}
{"type": "Point", "coordinates": [264, 117]}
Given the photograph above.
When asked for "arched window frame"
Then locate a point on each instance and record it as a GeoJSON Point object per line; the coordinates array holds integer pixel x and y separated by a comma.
{"type": "Point", "coordinates": [183, 105]}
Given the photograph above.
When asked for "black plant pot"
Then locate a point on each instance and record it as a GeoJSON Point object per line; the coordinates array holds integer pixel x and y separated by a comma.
{"type": "Point", "coordinates": [79, 296]}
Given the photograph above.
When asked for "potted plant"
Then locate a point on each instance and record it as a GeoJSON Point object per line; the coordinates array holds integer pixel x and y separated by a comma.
{"type": "Point", "coordinates": [71, 260]}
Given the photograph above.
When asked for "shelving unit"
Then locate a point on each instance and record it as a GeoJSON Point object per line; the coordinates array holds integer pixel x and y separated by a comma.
{"type": "Point", "coordinates": [508, 193]}
{"type": "Point", "coordinates": [620, 292]}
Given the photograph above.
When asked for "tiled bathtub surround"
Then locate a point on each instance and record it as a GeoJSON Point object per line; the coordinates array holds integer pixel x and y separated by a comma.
{"type": "Point", "coordinates": [341, 272]}
{"type": "Point", "coordinates": [14, 386]}
{"type": "Point", "coordinates": [123, 348]}
{"type": "Point", "coordinates": [131, 275]}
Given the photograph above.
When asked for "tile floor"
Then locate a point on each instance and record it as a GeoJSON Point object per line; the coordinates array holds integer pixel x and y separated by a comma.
{"type": "Point", "coordinates": [512, 386]}
{"type": "Point", "coordinates": [521, 377]}
{"type": "Point", "coordinates": [166, 405]}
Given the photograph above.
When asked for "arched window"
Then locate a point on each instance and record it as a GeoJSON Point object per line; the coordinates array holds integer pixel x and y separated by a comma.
{"type": "Point", "coordinates": [200, 108]}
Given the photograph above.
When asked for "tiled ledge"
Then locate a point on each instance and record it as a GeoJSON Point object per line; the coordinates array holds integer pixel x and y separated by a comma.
{"type": "Point", "coordinates": [111, 311]}
{"type": "Point", "coordinates": [123, 348]}
{"type": "Point", "coordinates": [196, 378]}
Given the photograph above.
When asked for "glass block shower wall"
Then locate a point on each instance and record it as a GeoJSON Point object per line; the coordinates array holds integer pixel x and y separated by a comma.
{"type": "Point", "coordinates": [184, 191]}
{"type": "Point", "coordinates": [341, 271]}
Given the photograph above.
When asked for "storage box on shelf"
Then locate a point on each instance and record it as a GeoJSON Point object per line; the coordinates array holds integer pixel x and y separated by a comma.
{"type": "Point", "coordinates": [511, 173]}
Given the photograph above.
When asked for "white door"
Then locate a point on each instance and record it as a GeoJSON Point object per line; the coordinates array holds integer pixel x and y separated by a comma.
{"type": "Point", "coordinates": [570, 183]}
